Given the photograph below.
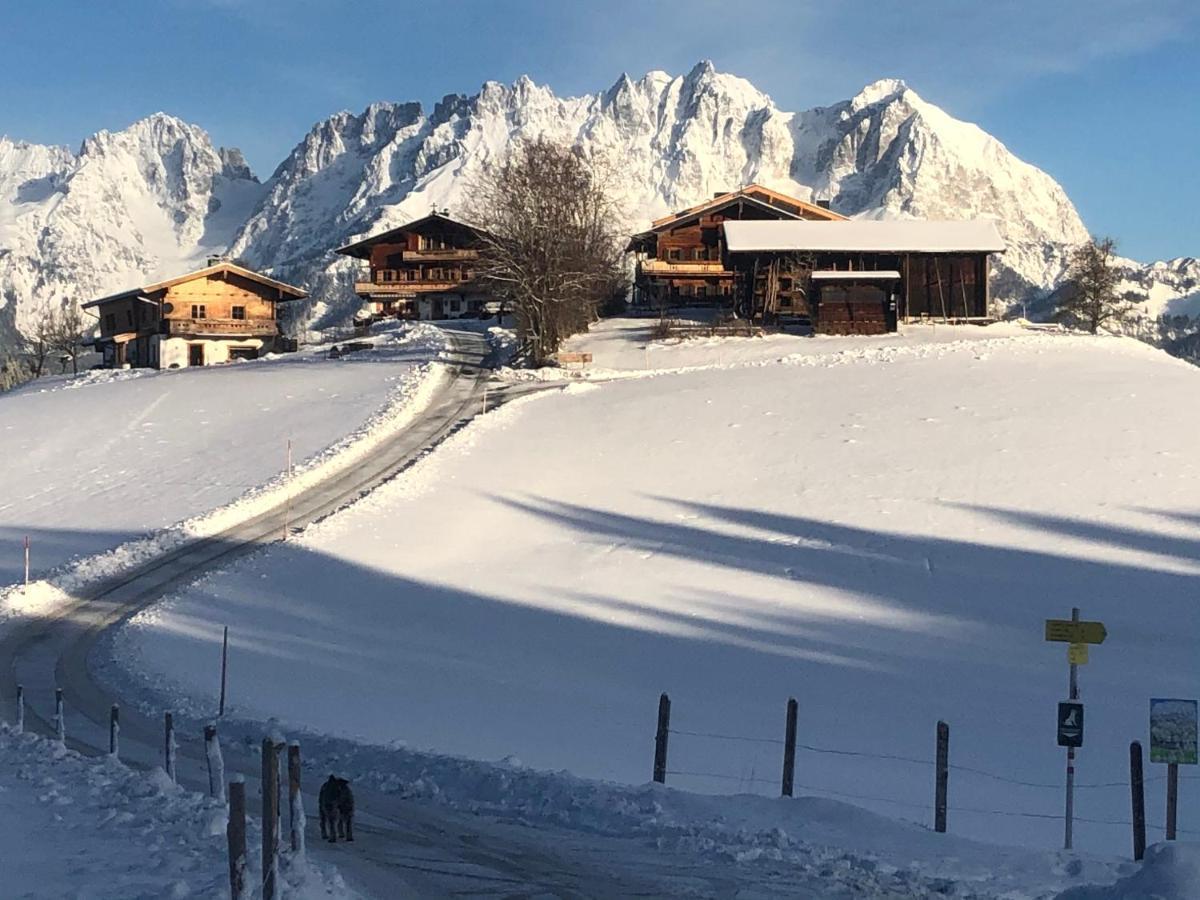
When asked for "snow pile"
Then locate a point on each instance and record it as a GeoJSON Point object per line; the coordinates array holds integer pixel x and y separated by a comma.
{"type": "Point", "coordinates": [84, 827]}
{"type": "Point", "coordinates": [1170, 872]}
{"type": "Point", "coordinates": [166, 452]}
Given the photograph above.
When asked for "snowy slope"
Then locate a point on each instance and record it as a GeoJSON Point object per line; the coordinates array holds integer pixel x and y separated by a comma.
{"type": "Point", "coordinates": [877, 527]}
{"type": "Point", "coordinates": [157, 196]}
{"type": "Point", "coordinates": [162, 447]}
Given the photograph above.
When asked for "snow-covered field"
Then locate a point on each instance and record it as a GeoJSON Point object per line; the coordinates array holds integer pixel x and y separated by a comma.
{"type": "Point", "coordinates": [93, 828]}
{"type": "Point", "coordinates": [876, 527]}
{"type": "Point", "coordinates": [95, 461]}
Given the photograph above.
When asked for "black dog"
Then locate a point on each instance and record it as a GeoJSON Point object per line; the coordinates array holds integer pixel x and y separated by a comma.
{"type": "Point", "coordinates": [337, 810]}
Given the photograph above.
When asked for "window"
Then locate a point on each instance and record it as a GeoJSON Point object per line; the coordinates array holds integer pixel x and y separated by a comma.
{"type": "Point", "coordinates": [238, 312]}
{"type": "Point", "coordinates": [454, 306]}
{"type": "Point", "coordinates": [199, 311]}
{"type": "Point", "coordinates": [110, 322]}
{"type": "Point", "coordinates": [673, 254]}
{"type": "Point", "coordinates": [700, 253]}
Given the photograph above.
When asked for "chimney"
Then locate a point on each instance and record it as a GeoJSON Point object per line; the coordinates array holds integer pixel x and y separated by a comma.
{"type": "Point", "coordinates": [216, 261]}
{"type": "Point", "coordinates": [824, 204]}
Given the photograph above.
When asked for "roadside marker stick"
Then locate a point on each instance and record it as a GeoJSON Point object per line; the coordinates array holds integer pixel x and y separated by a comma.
{"type": "Point", "coordinates": [60, 725]}
{"type": "Point", "coordinates": [169, 745]}
{"type": "Point", "coordinates": [26, 562]}
{"type": "Point", "coordinates": [20, 724]}
{"type": "Point", "coordinates": [224, 669]}
{"type": "Point", "coordinates": [114, 731]}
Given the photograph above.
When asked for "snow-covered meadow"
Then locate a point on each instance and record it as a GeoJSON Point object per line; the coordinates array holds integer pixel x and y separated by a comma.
{"type": "Point", "coordinates": [877, 528]}
{"type": "Point", "coordinates": [94, 461]}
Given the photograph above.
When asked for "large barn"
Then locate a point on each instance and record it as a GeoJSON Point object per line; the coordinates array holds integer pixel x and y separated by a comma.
{"type": "Point", "coordinates": [861, 276]}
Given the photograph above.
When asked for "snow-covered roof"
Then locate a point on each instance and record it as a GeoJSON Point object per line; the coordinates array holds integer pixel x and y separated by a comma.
{"type": "Point", "coordinates": [865, 236]}
{"type": "Point", "coordinates": [855, 275]}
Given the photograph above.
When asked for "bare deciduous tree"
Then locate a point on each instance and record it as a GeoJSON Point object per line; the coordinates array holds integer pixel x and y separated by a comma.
{"type": "Point", "coordinates": [69, 331]}
{"type": "Point", "coordinates": [39, 339]}
{"type": "Point", "coordinates": [1089, 299]}
{"type": "Point", "coordinates": [550, 250]}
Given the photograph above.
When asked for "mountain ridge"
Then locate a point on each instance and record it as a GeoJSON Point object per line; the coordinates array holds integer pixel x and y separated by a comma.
{"type": "Point", "coordinates": [159, 196]}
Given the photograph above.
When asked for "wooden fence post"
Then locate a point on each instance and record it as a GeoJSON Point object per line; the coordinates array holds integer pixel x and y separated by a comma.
{"type": "Point", "coordinates": [789, 748]}
{"type": "Point", "coordinates": [236, 834]}
{"type": "Point", "coordinates": [1172, 799]}
{"type": "Point", "coordinates": [1137, 793]}
{"type": "Point", "coordinates": [943, 778]}
{"type": "Point", "coordinates": [270, 818]}
{"type": "Point", "coordinates": [114, 731]}
{"type": "Point", "coordinates": [216, 764]}
{"type": "Point", "coordinates": [20, 708]}
{"type": "Point", "coordinates": [60, 722]}
{"type": "Point", "coordinates": [169, 745]}
{"type": "Point", "coordinates": [660, 739]}
{"type": "Point", "coordinates": [295, 799]}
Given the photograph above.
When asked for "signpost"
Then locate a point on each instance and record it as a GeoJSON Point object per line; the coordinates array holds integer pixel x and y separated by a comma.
{"type": "Point", "coordinates": [1070, 724]}
{"type": "Point", "coordinates": [1173, 732]}
{"type": "Point", "coordinates": [1078, 634]}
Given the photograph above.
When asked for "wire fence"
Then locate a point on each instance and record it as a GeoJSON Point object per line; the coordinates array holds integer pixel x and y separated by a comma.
{"type": "Point", "coordinates": [926, 763]}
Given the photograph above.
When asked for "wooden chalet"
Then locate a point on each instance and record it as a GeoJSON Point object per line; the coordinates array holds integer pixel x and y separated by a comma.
{"type": "Point", "coordinates": [861, 276]}
{"type": "Point", "coordinates": [217, 314]}
{"type": "Point", "coordinates": [680, 260]}
{"type": "Point", "coordinates": [421, 270]}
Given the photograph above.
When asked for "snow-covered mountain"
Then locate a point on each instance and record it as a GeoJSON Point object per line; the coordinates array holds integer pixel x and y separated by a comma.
{"type": "Point", "coordinates": [148, 201]}
{"type": "Point", "coordinates": [158, 196]}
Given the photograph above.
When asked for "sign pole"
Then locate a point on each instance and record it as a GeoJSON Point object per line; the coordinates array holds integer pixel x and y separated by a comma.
{"type": "Point", "coordinates": [1068, 829]}
{"type": "Point", "coordinates": [1172, 799]}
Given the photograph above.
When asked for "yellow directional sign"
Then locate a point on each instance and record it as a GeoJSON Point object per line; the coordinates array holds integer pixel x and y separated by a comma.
{"type": "Point", "coordinates": [1077, 654]}
{"type": "Point", "coordinates": [1075, 632]}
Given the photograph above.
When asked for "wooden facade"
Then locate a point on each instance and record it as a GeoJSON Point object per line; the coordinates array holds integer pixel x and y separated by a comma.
{"type": "Point", "coordinates": [217, 314]}
{"type": "Point", "coordinates": [680, 260]}
{"type": "Point", "coordinates": [859, 293]}
{"type": "Point", "coordinates": [422, 270]}
{"type": "Point", "coordinates": [862, 276]}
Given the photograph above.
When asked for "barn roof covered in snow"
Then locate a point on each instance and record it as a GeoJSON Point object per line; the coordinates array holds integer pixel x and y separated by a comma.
{"type": "Point", "coordinates": [865, 236]}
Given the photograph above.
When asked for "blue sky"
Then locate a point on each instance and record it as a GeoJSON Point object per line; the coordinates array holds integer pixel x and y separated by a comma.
{"type": "Point", "coordinates": [1102, 94]}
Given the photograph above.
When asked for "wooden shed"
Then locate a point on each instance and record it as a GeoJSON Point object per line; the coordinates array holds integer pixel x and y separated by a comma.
{"type": "Point", "coordinates": [861, 276]}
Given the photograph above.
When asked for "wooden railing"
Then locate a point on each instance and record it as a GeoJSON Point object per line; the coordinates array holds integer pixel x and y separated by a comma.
{"type": "Point", "coordinates": [220, 326]}
{"type": "Point", "coordinates": [682, 267]}
{"type": "Point", "coordinates": [452, 253]}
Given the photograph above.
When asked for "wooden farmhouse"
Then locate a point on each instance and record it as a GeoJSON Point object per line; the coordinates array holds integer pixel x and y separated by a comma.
{"type": "Point", "coordinates": [217, 314]}
{"type": "Point", "coordinates": [422, 270]}
{"type": "Point", "coordinates": [861, 276]}
{"type": "Point", "coordinates": [680, 260]}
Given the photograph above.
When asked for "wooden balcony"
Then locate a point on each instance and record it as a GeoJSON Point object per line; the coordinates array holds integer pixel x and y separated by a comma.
{"type": "Point", "coordinates": [439, 255]}
{"type": "Point", "coordinates": [682, 267]}
{"type": "Point", "coordinates": [402, 283]}
{"type": "Point", "coordinates": [221, 327]}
